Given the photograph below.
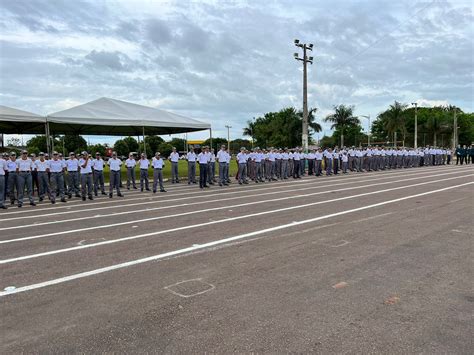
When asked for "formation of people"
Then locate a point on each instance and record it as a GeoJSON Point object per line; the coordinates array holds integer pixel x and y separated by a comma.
{"type": "Point", "coordinates": [261, 165]}
{"type": "Point", "coordinates": [57, 178]}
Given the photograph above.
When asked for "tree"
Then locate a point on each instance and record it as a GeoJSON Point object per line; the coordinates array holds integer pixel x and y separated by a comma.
{"type": "Point", "coordinates": [353, 136]}
{"type": "Point", "coordinates": [96, 148]}
{"type": "Point", "coordinates": [280, 129]}
{"type": "Point", "coordinates": [154, 142]}
{"type": "Point", "coordinates": [149, 151]}
{"type": "Point", "coordinates": [466, 128]}
{"type": "Point", "coordinates": [437, 123]}
{"type": "Point", "coordinates": [14, 142]}
{"type": "Point", "coordinates": [37, 144]}
{"type": "Point", "coordinates": [121, 147]}
{"type": "Point", "coordinates": [74, 143]}
{"type": "Point", "coordinates": [327, 141]}
{"type": "Point", "coordinates": [236, 144]}
{"type": "Point", "coordinates": [394, 120]}
{"type": "Point", "coordinates": [216, 142]}
{"type": "Point", "coordinates": [165, 150]}
{"type": "Point", "coordinates": [341, 119]}
{"type": "Point", "coordinates": [131, 143]}
{"type": "Point", "coordinates": [179, 144]}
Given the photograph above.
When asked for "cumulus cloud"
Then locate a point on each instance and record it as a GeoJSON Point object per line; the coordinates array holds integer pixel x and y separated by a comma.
{"type": "Point", "coordinates": [227, 62]}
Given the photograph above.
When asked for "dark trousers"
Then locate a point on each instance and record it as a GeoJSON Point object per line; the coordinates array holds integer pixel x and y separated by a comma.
{"type": "Point", "coordinates": [202, 175]}
{"type": "Point", "coordinates": [310, 166]}
{"type": "Point", "coordinates": [335, 166]}
{"type": "Point", "coordinates": [296, 170]}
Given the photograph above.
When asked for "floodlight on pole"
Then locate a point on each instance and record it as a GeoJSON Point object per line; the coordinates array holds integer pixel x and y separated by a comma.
{"type": "Point", "coordinates": [305, 61]}
{"type": "Point", "coordinates": [415, 143]}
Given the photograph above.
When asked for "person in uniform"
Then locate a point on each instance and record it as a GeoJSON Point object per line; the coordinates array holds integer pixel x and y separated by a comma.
{"type": "Point", "coordinates": [344, 161]}
{"type": "Point", "coordinates": [211, 167]}
{"type": "Point", "coordinates": [157, 165]}
{"type": "Point", "coordinates": [34, 174]}
{"type": "Point", "coordinates": [174, 159]}
{"type": "Point", "coordinates": [98, 168]}
{"type": "Point", "coordinates": [72, 165]}
{"type": "Point", "coordinates": [191, 158]}
{"type": "Point", "coordinates": [335, 161]}
{"type": "Point", "coordinates": [318, 162]}
{"type": "Point", "coordinates": [242, 161]}
{"type": "Point", "coordinates": [24, 168]}
{"type": "Point", "coordinates": [144, 165]}
{"type": "Point", "coordinates": [222, 157]}
{"type": "Point", "coordinates": [203, 159]}
{"type": "Point", "coordinates": [115, 164]}
{"type": "Point", "coordinates": [296, 164]}
{"type": "Point", "coordinates": [42, 167]}
{"type": "Point", "coordinates": [329, 161]}
{"type": "Point", "coordinates": [12, 189]}
{"type": "Point", "coordinates": [6, 158]}
{"type": "Point", "coordinates": [3, 169]}
{"type": "Point", "coordinates": [130, 164]}
{"type": "Point", "coordinates": [57, 169]}
{"type": "Point", "coordinates": [85, 166]}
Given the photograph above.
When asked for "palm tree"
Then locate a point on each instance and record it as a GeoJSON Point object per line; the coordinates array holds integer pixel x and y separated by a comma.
{"type": "Point", "coordinates": [316, 127]}
{"type": "Point", "coordinates": [394, 120]}
{"type": "Point", "coordinates": [342, 118]}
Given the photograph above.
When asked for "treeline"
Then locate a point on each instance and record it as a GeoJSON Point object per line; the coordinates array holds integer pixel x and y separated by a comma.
{"type": "Point", "coordinates": [394, 126]}
{"type": "Point", "coordinates": [75, 143]}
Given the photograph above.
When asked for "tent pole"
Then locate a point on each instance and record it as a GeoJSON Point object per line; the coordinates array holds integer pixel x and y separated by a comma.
{"type": "Point", "coordinates": [46, 132]}
{"type": "Point", "coordinates": [144, 142]}
{"type": "Point", "coordinates": [210, 136]}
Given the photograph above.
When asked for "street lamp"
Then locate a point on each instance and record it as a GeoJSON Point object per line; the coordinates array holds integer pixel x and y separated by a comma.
{"type": "Point", "coordinates": [368, 129]}
{"type": "Point", "coordinates": [415, 144]}
{"type": "Point", "coordinates": [228, 137]}
{"type": "Point", "coordinates": [305, 61]}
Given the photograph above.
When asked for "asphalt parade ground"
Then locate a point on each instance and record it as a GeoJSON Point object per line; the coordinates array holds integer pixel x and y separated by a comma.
{"type": "Point", "coordinates": [377, 262]}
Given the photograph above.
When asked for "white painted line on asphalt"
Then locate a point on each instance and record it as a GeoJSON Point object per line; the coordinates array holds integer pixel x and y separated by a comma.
{"type": "Point", "coordinates": [102, 226]}
{"type": "Point", "coordinates": [343, 242]}
{"type": "Point", "coordinates": [59, 251]}
{"type": "Point", "coordinates": [185, 187]}
{"type": "Point", "coordinates": [372, 217]}
{"type": "Point", "coordinates": [35, 224]}
{"type": "Point", "coordinates": [153, 200]}
{"type": "Point", "coordinates": [208, 288]}
{"type": "Point", "coordinates": [214, 243]}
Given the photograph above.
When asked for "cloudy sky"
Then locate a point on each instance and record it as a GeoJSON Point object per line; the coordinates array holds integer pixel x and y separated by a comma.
{"type": "Point", "coordinates": [225, 62]}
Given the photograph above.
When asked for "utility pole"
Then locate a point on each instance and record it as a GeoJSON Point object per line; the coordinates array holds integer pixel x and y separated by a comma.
{"type": "Point", "coordinates": [415, 143]}
{"type": "Point", "coordinates": [368, 130]}
{"type": "Point", "coordinates": [228, 137]}
{"type": "Point", "coordinates": [455, 131]}
{"type": "Point", "coordinates": [305, 61]}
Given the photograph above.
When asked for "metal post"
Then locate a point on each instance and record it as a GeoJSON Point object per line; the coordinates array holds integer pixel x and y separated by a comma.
{"type": "Point", "coordinates": [368, 130]}
{"type": "Point", "coordinates": [305, 102]}
{"type": "Point", "coordinates": [210, 136]}
{"type": "Point", "coordinates": [144, 141]}
{"type": "Point", "coordinates": [305, 60]}
{"type": "Point", "coordinates": [228, 137]}
{"type": "Point", "coordinates": [48, 142]}
{"type": "Point", "coordinates": [415, 143]}
{"type": "Point", "coordinates": [455, 131]}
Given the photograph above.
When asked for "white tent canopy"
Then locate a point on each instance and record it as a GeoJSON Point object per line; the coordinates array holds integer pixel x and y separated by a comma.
{"type": "Point", "coordinates": [14, 121]}
{"type": "Point", "coordinates": [114, 117]}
